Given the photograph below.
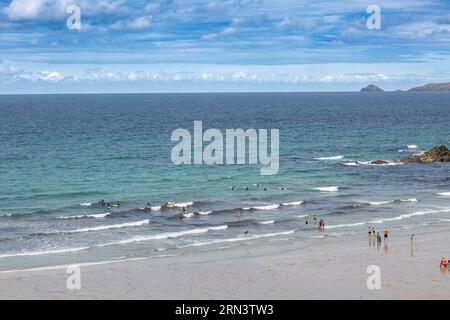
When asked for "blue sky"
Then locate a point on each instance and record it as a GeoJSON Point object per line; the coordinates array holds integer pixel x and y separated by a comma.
{"type": "Point", "coordinates": [221, 45]}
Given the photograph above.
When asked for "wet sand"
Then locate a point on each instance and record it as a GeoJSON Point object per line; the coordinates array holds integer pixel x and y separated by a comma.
{"type": "Point", "coordinates": [327, 268]}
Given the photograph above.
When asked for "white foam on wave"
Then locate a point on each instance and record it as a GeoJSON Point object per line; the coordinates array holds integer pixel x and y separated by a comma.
{"type": "Point", "coordinates": [382, 220]}
{"type": "Point", "coordinates": [65, 266]}
{"type": "Point", "coordinates": [370, 163]}
{"type": "Point", "coordinates": [330, 158]}
{"type": "Point", "coordinates": [165, 235]}
{"type": "Point", "coordinates": [294, 203]}
{"type": "Point", "coordinates": [86, 204]}
{"type": "Point", "coordinates": [267, 207]}
{"type": "Point", "coordinates": [347, 225]}
{"type": "Point", "coordinates": [327, 189]}
{"type": "Point", "coordinates": [154, 208]}
{"type": "Point", "coordinates": [37, 253]}
{"type": "Point", "coordinates": [412, 146]}
{"type": "Point", "coordinates": [445, 194]}
{"type": "Point", "coordinates": [387, 164]}
{"type": "Point", "coordinates": [111, 226]}
{"type": "Point", "coordinates": [409, 200]}
{"type": "Point", "coordinates": [204, 213]}
{"type": "Point", "coordinates": [97, 216]}
{"type": "Point", "coordinates": [179, 205]}
{"type": "Point", "coordinates": [267, 222]}
{"type": "Point", "coordinates": [188, 215]}
{"type": "Point", "coordinates": [240, 238]}
{"type": "Point", "coordinates": [379, 203]}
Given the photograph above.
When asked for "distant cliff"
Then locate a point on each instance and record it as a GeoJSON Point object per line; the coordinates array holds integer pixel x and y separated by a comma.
{"type": "Point", "coordinates": [371, 88]}
{"type": "Point", "coordinates": [432, 87]}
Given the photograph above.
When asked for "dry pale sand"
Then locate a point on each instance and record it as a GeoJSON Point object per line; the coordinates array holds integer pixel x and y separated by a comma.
{"type": "Point", "coordinates": [328, 268]}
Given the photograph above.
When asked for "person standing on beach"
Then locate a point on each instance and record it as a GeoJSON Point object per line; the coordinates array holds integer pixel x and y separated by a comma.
{"type": "Point", "coordinates": [386, 235]}
{"type": "Point", "coordinates": [315, 219]}
{"type": "Point", "coordinates": [371, 237]}
{"type": "Point", "coordinates": [378, 238]}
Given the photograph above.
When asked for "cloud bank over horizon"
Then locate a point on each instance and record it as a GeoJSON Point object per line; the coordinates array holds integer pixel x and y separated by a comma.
{"type": "Point", "coordinates": [227, 45]}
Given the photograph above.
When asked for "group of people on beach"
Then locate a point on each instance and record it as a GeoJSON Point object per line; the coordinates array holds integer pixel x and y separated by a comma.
{"type": "Point", "coordinates": [375, 237]}
{"type": "Point", "coordinates": [444, 264]}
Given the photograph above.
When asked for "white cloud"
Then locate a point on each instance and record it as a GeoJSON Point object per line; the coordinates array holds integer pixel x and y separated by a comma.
{"type": "Point", "coordinates": [50, 76]}
{"type": "Point", "coordinates": [428, 29]}
{"type": "Point", "coordinates": [42, 10]}
{"type": "Point", "coordinates": [139, 23]}
{"type": "Point", "coordinates": [152, 7]}
{"type": "Point", "coordinates": [47, 76]}
{"type": "Point", "coordinates": [225, 32]}
{"type": "Point", "coordinates": [355, 77]}
{"type": "Point", "coordinates": [24, 9]}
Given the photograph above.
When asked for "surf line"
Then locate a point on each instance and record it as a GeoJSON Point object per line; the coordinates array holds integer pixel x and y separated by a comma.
{"type": "Point", "coordinates": [250, 144]}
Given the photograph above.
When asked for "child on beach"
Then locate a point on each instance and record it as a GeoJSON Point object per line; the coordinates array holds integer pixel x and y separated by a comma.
{"type": "Point", "coordinates": [444, 264]}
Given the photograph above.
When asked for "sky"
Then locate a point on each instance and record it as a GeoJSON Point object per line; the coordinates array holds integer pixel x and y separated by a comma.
{"type": "Point", "coordinates": [220, 45]}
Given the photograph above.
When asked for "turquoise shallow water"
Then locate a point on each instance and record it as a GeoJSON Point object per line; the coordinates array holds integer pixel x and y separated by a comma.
{"type": "Point", "coordinates": [61, 154]}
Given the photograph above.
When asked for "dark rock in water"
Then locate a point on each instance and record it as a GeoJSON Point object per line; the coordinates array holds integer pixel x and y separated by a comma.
{"type": "Point", "coordinates": [371, 88]}
{"type": "Point", "coordinates": [379, 162]}
{"type": "Point", "coordinates": [437, 154]}
{"type": "Point", "coordinates": [432, 87]}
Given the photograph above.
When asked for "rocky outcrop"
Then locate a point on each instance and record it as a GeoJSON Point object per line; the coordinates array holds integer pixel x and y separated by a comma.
{"type": "Point", "coordinates": [432, 87]}
{"type": "Point", "coordinates": [371, 88]}
{"type": "Point", "coordinates": [379, 162]}
{"type": "Point", "coordinates": [437, 154]}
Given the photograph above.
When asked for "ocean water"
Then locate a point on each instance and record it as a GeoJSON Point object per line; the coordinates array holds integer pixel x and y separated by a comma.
{"type": "Point", "coordinates": [61, 154]}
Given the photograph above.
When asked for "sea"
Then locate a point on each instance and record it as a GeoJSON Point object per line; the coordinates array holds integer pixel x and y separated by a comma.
{"type": "Point", "coordinates": [62, 155]}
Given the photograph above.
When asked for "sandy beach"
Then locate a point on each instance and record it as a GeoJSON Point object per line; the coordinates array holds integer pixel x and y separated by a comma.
{"type": "Point", "coordinates": [327, 268]}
